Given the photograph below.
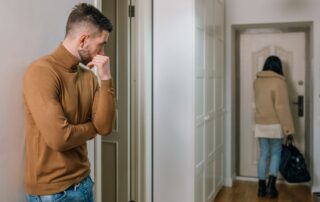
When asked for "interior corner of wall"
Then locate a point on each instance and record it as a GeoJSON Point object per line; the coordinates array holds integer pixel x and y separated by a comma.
{"type": "Point", "coordinates": [229, 180]}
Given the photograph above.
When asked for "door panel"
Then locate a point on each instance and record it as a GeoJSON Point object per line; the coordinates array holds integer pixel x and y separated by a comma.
{"type": "Point", "coordinates": [115, 147]}
{"type": "Point", "coordinates": [209, 95]}
{"type": "Point", "coordinates": [290, 47]}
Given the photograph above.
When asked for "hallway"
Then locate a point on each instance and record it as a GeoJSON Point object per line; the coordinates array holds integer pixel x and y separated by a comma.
{"type": "Point", "coordinates": [243, 191]}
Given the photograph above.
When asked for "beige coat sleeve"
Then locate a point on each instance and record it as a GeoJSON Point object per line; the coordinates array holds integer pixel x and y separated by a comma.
{"type": "Point", "coordinates": [282, 107]}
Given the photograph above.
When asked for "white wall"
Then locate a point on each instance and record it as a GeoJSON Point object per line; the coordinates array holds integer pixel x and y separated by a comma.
{"type": "Point", "coordinates": [29, 29]}
{"type": "Point", "coordinates": [272, 11]}
{"type": "Point", "coordinates": [173, 74]}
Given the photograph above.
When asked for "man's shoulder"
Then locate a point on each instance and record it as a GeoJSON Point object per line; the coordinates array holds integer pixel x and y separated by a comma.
{"type": "Point", "coordinates": [42, 67]}
{"type": "Point", "coordinates": [42, 62]}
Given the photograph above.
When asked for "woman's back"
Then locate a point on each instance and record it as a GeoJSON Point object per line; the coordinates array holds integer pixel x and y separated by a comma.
{"type": "Point", "coordinates": [272, 102]}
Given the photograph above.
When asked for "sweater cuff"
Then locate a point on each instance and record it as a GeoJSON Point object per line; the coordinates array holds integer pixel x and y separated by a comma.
{"type": "Point", "coordinates": [106, 84]}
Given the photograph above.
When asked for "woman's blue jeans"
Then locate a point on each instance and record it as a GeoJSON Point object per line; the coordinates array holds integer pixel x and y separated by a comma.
{"type": "Point", "coordinates": [275, 144]}
{"type": "Point", "coordinates": [82, 192]}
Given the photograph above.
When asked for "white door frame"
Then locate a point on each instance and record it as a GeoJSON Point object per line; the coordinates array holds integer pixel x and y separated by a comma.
{"type": "Point", "coordinates": [231, 94]}
{"type": "Point", "coordinates": [142, 104]}
{"type": "Point", "coordinates": [142, 51]}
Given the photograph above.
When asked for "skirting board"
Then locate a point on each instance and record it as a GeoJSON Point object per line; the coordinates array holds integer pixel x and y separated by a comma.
{"type": "Point", "coordinates": [281, 181]}
{"type": "Point", "coordinates": [228, 181]}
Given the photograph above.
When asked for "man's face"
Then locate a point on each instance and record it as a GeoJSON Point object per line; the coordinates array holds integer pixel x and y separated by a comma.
{"type": "Point", "coordinates": [93, 45]}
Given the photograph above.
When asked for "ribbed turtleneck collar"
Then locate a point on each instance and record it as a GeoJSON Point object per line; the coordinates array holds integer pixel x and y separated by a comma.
{"type": "Point", "coordinates": [269, 74]}
{"type": "Point", "coordinates": [64, 58]}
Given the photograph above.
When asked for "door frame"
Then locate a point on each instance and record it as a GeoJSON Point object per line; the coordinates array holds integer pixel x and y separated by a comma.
{"type": "Point", "coordinates": [268, 27]}
{"type": "Point", "coordinates": [141, 102]}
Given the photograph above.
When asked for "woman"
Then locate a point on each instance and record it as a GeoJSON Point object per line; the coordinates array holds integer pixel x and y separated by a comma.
{"type": "Point", "coordinates": [273, 121]}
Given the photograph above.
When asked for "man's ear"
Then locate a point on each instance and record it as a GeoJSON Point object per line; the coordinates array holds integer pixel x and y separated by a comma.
{"type": "Point", "coordinates": [82, 40]}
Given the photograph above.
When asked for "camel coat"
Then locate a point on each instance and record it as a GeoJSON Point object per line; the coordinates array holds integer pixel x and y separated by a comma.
{"type": "Point", "coordinates": [272, 101]}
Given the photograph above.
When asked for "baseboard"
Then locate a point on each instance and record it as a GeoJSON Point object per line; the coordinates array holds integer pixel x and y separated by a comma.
{"type": "Point", "coordinates": [315, 189]}
{"type": "Point", "coordinates": [279, 181]}
{"type": "Point", "coordinates": [250, 179]}
{"type": "Point", "coordinates": [228, 182]}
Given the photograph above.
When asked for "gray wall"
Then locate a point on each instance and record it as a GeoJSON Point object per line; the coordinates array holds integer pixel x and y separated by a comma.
{"type": "Point", "coordinates": [273, 11]}
{"type": "Point", "coordinates": [29, 29]}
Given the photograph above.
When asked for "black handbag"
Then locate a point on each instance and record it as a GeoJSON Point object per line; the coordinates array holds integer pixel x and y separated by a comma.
{"type": "Point", "coordinates": [292, 166]}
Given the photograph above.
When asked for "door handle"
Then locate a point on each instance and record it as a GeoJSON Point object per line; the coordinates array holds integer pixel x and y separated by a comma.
{"type": "Point", "coordinates": [300, 104]}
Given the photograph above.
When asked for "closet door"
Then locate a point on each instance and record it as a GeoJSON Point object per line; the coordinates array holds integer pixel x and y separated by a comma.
{"type": "Point", "coordinates": [219, 92]}
{"type": "Point", "coordinates": [209, 99]}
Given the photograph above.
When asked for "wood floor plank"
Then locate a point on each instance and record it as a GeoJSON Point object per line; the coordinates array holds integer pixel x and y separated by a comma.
{"type": "Point", "coordinates": [243, 191]}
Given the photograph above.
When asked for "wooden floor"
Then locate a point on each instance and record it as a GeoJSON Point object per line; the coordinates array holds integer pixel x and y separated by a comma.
{"type": "Point", "coordinates": [243, 191]}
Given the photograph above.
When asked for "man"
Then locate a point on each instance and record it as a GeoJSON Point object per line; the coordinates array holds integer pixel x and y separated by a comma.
{"type": "Point", "coordinates": [65, 107]}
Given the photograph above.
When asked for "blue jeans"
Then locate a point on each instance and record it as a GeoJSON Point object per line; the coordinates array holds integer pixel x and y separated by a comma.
{"type": "Point", "coordinates": [81, 192]}
{"type": "Point", "coordinates": [276, 147]}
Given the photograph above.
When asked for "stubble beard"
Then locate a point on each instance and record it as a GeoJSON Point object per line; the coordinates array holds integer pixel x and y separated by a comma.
{"type": "Point", "coordinates": [84, 56]}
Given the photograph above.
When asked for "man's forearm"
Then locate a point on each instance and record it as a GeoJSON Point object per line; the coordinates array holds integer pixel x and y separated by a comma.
{"type": "Point", "coordinates": [104, 108]}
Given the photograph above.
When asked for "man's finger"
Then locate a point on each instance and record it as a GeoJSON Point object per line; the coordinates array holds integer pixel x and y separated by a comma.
{"type": "Point", "coordinates": [90, 65]}
{"type": "Point", "coordinates": [100, 60]}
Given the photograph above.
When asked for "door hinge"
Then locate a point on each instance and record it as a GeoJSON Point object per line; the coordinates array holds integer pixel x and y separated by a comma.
{"type": "Point", "coordinates": [131, 15]}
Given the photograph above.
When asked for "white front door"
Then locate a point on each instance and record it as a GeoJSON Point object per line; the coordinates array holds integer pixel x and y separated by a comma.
{"type": "Point", "coordinates": [290, 47]}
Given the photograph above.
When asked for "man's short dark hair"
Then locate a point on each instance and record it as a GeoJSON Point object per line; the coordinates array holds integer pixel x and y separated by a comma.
{"type": "Point", "coordinates": [86, 13]}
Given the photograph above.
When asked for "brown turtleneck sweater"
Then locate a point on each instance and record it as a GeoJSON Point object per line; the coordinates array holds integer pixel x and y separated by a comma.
{"type": "Point", "coordinates": [64, 107]}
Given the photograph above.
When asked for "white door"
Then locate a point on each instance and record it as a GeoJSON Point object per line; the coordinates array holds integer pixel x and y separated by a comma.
{"type": "Point", "coordinates": [290, 47]}
{"type": "Point", "coordinates": [113, 175]}
{"type": "Point", "coordinates": [209, 99]}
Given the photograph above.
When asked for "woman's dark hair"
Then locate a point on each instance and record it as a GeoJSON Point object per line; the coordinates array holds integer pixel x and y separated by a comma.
{"type": "Point", "coordinates": [273, 63]}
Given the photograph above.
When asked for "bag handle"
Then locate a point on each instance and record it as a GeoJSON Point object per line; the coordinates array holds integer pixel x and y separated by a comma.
{"type": "Point", "coordinates": [289, 140]}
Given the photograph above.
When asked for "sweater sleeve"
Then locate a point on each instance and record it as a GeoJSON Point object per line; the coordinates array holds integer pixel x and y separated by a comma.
{"type": "Point", "coordinates": [282, 107]}
{"type": "Point", "coordinates": [41, 94]}
{"type": "Point", "coordinates": [103, 112]}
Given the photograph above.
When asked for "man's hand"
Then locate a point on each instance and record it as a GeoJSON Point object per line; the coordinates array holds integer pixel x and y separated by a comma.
{"type": "Point", "coordinates": [103, 66]}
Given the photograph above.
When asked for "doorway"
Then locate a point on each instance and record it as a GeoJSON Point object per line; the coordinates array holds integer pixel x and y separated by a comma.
{"type": "Point", "coordinates": [113, 152]}
{"type": "Point", "coordinates": [254, 45]}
